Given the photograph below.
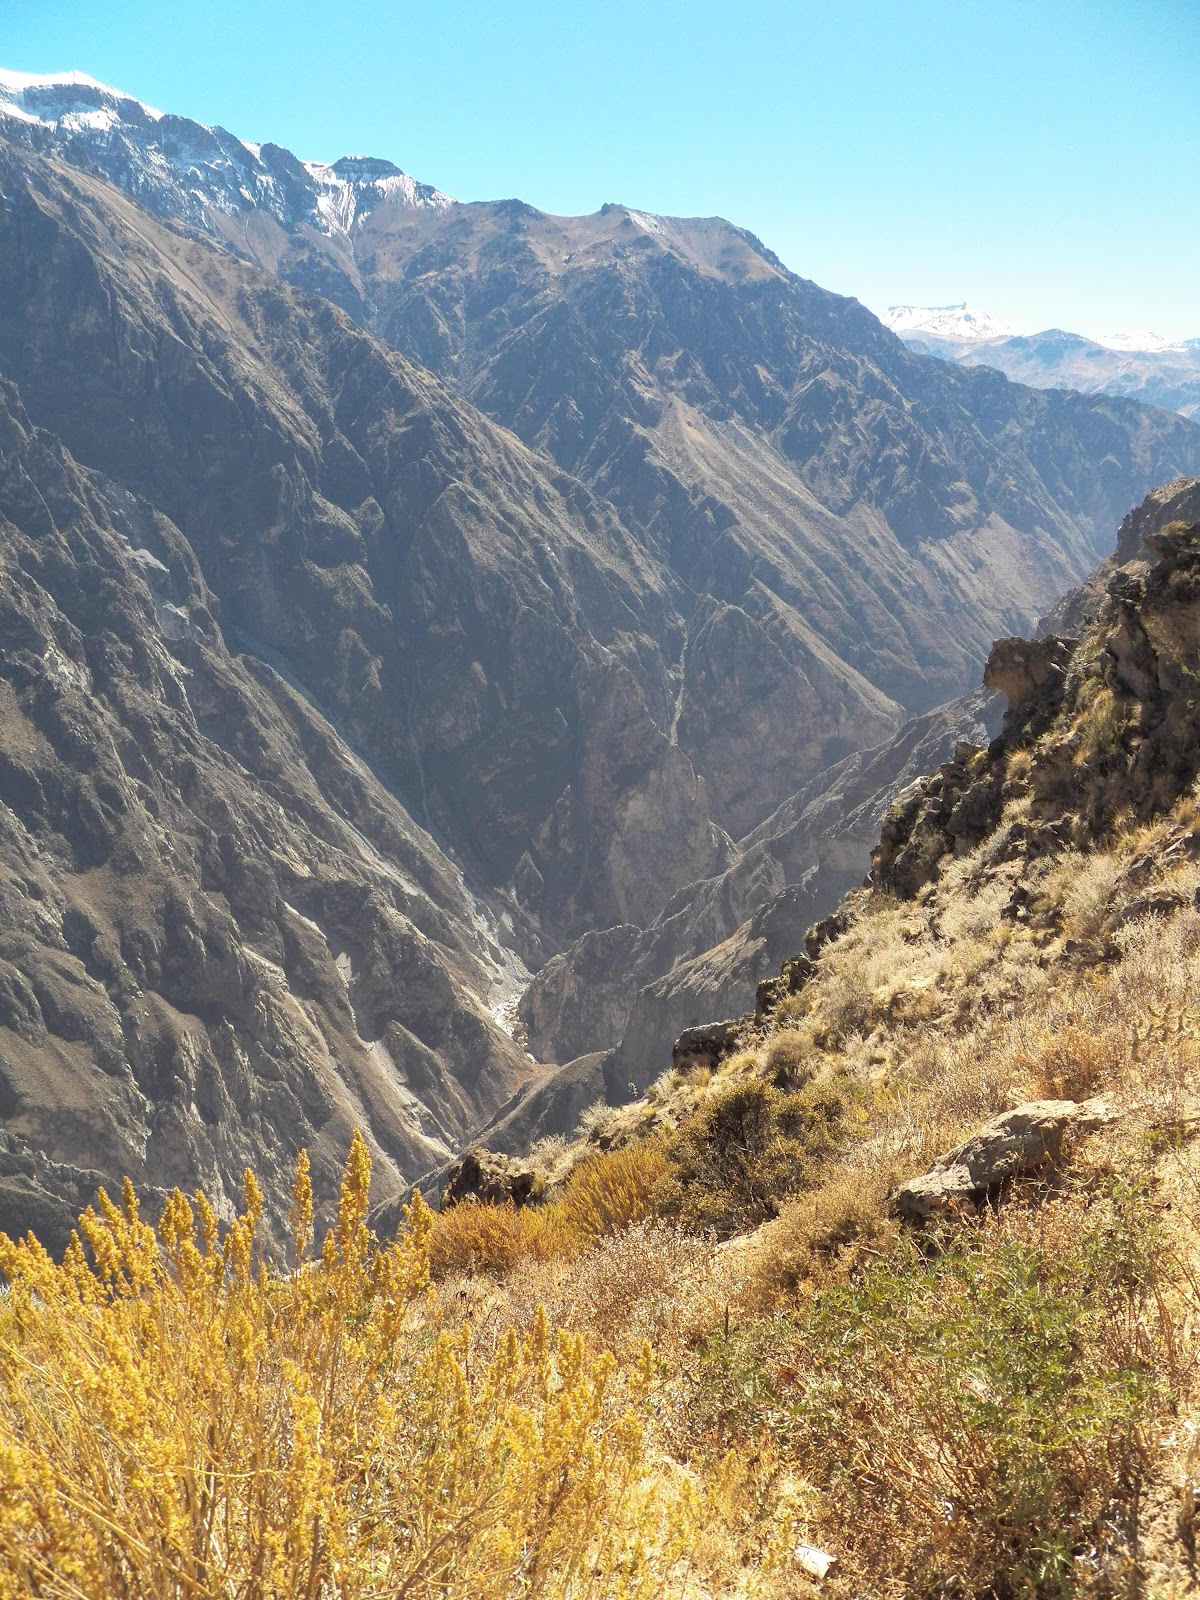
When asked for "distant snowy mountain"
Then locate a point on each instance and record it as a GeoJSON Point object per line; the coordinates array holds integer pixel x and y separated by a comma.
{"type": "Point", "coordinates": [188, 170]}
{"type": "Point", "coordinates": [963, 322]}
{"type": "Point", "coordinates": [1142, 342]}
{"type": "Point", "coordinates": [1139, 366]}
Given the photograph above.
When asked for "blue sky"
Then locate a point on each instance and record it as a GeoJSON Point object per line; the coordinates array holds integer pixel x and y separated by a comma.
{"type": "Point", "coordinates": [1041, 160]}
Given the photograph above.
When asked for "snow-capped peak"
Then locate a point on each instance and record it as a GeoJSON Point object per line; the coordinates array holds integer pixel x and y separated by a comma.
{"type": "Point", "coordinates": [189, 170]}
{"type": "Point", "coordinates": [71, 100]}
{"type": "Point", "coordinates": [946, 322]}
{"type": "Point", "coordinates": [17, 82]}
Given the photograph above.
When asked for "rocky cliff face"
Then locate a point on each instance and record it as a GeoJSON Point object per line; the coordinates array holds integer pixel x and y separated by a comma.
{"type": "Point", "coordinates": [1106, 714]}
{"type": "Point", "coordinates": [843, 528]}
{"type": "Point", "coordinates": [787, 455]}
{"type": "Point", "coordinates": [1098, 729]}
{"type": "Point", "coordinates": [485, 629]}
{"type": "Point", "coordinates": [220, 935]}
{"type": "Point", "coordinates": [418, 607]}
{"type": "Point", "coordinates": [1016, 876]}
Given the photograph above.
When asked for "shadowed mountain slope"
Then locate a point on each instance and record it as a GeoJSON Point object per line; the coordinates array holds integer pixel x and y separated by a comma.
{"type": "Point", "coordinates": [844, 527]}
{"type": "Point", "coordinates": [220, 936]}
{"type": "Point", "coordinates": [486, 629]}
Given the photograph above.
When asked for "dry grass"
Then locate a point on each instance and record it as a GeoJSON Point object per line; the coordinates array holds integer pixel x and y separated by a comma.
{"type": "Point", "coordinates": [826, 1234]}
{"type": "Point", "coordinates": [789, 1059]}
{"type": "Point", "coordinates": [611, 1192]}
{"type": "Point", "coordinates": [1102, 724]}
{"type": "Point", "coordinates": [650, 1283]}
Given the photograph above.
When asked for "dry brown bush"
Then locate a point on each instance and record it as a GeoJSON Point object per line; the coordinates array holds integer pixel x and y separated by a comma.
{"type": "Point", "coordinates": [747, 1147]}
{"type": "Point", "coordinates": [1071, 1062]}
{"type": "Point", "coordinates": [651, 1282]}
{"type": "Point", "coordinates": [789, 1059]}
{"type": "Point", "coordinates": [605, 1193]}
{"type": "Point", "coordinates": [828, 1232]}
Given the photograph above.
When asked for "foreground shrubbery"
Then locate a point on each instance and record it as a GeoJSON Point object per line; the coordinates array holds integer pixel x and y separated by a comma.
{"type": "Point", "coordinates": [987, 1418]}
{"type": "Point", "coordinates": [1004, 1413]}
{"type": "Point", "coordinates": [977, 1415]}
{"type": "Point", "coordinates": [177, 1420]}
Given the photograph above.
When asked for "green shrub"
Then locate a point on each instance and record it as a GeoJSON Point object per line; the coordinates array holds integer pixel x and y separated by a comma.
{"type": "Point", "coordinates": [979, 1423]}
{"type": "Point", "coordinates": [746, 1148]}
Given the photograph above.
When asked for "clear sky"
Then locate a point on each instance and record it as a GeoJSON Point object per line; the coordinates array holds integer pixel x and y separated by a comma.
{"type": "Point", "coordinates": [1039, 158]}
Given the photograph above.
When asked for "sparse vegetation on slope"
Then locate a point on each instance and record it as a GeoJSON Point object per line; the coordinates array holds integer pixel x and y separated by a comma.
{"type": "Point", "coordinates": [1004, 1405]}
{"type": "Point", "coordinates": [757, 1363]}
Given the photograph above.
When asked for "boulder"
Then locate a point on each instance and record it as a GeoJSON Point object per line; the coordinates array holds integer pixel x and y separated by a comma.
{"type": "Point", "coordinates": [1160, 903]}
{"type": "Point", "coordinates": [1014, 1144]}
{"type": "Point", "coordinates": [707, 1045]}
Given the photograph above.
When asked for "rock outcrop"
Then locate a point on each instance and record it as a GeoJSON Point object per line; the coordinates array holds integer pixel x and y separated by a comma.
{"type": "Point", "coordinates": [1113, 726]}
{"type": "Point", "coordinates": [1016, 1144]}
{"type": "Point", "coordinates": [1016, 668]}
{"type": "Point", "coordinates": [485, 1176]}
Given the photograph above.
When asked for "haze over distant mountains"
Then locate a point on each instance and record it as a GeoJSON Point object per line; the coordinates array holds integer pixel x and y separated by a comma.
{"type": "Point", "coordinates": [1142, 366]}
{"type": "Point", "coordinates": [403, 598]}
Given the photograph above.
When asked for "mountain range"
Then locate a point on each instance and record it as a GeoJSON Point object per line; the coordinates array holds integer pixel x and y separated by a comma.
{"type": "Point", "coordinates": [1141, 366]}
{"type": "Point", "coordinates": [408, 602]}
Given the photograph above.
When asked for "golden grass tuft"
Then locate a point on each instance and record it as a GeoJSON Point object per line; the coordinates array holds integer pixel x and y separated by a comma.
{"type": "Point", "coordinates": [789, 1059]}
{"type": "Point", "coordinates": [604, 1194]}
{"type": "Point", "coordinates": [613, 1191]}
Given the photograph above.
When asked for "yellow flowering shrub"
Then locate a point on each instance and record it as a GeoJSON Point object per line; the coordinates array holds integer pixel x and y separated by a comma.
{"type": "Point", "coordinates": [606, 1194]}
{"type": "Point", "coordinates": [178, 1419]}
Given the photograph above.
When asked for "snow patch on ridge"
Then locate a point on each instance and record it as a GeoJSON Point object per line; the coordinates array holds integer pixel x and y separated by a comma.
{"type": "Point", "coordinates": [1142, 342]}
{"type": "Point", "coordinates": [647, 220]}
{"type": "Point", "coordinates": [56, 93]}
